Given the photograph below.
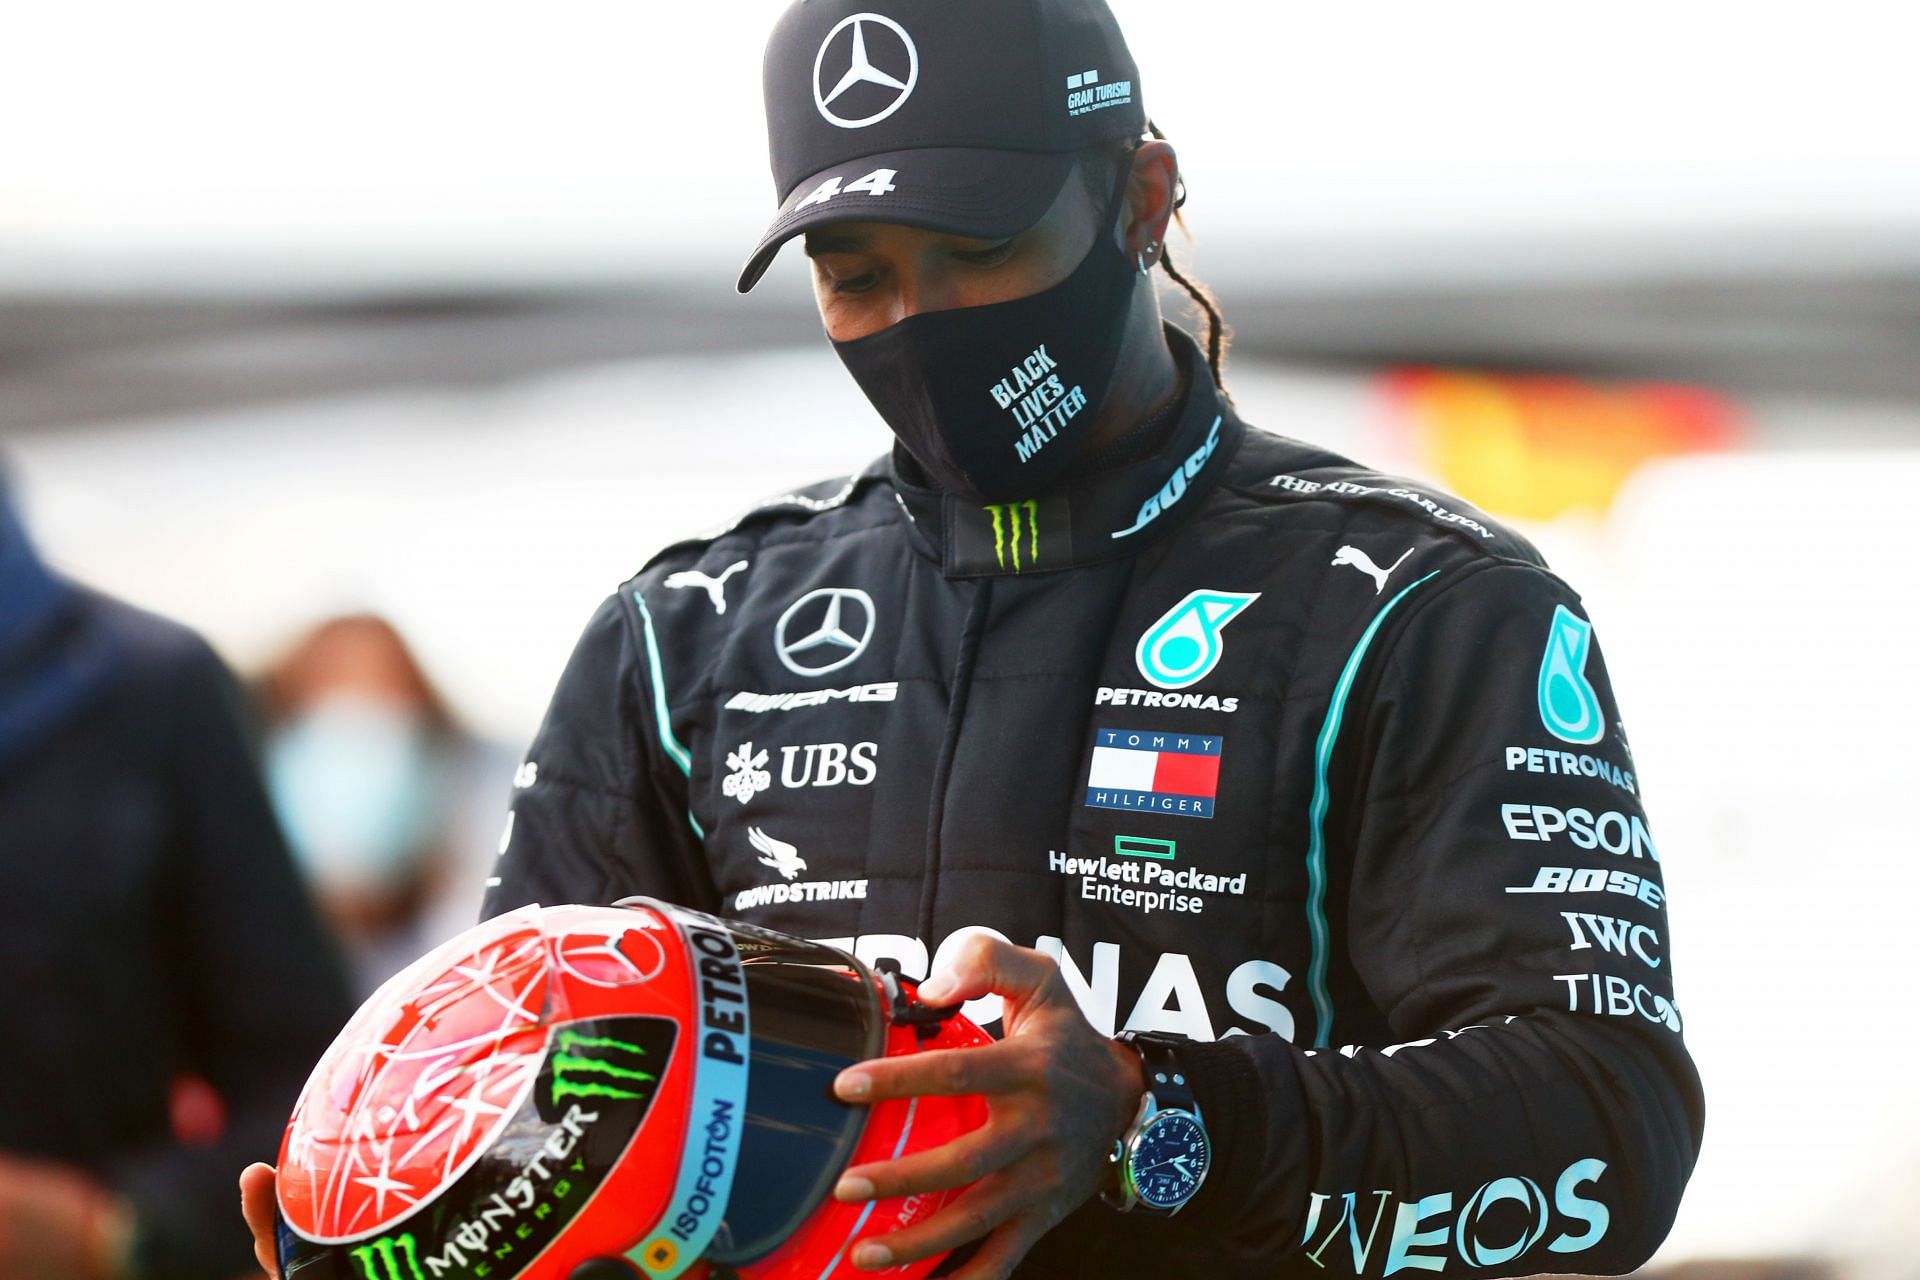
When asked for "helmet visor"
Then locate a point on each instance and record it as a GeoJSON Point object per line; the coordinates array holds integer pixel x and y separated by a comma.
{"type": "Point", "coordinates": [814, 1012]}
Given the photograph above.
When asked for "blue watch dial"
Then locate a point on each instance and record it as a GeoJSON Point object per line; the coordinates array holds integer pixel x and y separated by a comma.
{"type": "Point", "coordinates": [1168, 1160]}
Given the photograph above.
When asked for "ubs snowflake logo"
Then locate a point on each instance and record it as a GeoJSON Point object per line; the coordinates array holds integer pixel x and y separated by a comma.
{"type": "Point", "coordinates": [749, 777]}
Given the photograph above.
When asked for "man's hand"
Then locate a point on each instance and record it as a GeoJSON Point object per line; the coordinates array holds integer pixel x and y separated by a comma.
{"type": "Point", "coordinates": [256, 1206]}
{"type": "Point", "coordinates": [58, 1224]}
{"type": "Point", "coordinates": [1058, 1095]}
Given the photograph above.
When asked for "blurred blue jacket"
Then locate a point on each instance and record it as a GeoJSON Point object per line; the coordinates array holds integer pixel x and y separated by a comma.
{"type": "Point", "coordinates": [151, 922]}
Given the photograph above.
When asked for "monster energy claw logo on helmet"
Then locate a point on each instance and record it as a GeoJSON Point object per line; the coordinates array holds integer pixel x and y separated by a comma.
{"type": "Point", "coordinates": [586, 1066]}
{"type": "Point", "coordinates": [382, 1259]}
{"type": "Point", "coordinates": [1008, 519]}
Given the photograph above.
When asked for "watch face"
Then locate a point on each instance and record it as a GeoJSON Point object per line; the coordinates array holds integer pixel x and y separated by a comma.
{"type": "Point", "coordinates": [1168, 1160]}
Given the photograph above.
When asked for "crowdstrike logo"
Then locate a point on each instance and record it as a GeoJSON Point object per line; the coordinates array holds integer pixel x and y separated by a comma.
{"type": "Point", "coordinates": [865, 49]}
{"type": "Point", "coordinates": [778, 854]}
{"type": "Point", "coordinates": [824, 630]}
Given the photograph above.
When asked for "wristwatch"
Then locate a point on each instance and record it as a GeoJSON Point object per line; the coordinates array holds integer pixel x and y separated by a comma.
{"type": "Point", "coordinates": [1158, 1164]}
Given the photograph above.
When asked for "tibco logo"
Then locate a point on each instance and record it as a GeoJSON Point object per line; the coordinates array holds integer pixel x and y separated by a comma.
{"type": "Point", "coordinates": [1612, 996]}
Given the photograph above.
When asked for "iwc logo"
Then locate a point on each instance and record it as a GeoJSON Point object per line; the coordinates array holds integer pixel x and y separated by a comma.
{"type": "Point", "coordinates": [865, 49]}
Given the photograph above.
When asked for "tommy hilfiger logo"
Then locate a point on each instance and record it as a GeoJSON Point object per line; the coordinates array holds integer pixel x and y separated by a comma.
{"type": "Point", "coordinates": [1155, 772]}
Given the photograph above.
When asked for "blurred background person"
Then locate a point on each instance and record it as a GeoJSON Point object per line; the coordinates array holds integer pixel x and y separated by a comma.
{"type": "Point", "coordinates": [164, 983]}
{"type": "Point", "coordinates": [392, 809]}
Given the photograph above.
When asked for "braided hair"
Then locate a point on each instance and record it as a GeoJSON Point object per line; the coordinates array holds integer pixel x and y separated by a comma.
{"type": "Point", "coordinates": [1101, 165]}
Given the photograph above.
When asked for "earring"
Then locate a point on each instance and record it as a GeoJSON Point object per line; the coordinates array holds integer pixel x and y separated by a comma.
{"type": "Point", "coordinates": [1141, 257]}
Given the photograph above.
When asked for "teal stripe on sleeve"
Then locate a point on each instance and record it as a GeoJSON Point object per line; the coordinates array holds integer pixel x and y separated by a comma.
{"type": "Point", "coordinates": [675, 751]}
{"type": "Point", "coordinates": [1317, 821]}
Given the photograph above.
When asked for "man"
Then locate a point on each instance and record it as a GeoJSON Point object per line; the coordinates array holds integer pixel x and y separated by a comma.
{"type": "Point", "coordinates": [152, 930]}
{"type": "Point", "coordinates": [1117, 715]}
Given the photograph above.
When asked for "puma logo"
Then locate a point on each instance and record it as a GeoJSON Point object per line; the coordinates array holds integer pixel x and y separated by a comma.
{"type": "Point", "coordinates": [716, 588]}
{"type": "Point", "coordinates": [1364, 563]}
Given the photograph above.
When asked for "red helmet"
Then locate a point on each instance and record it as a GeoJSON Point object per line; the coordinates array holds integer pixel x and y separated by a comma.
{"type": "Point", "coordinates": [635, 1090]}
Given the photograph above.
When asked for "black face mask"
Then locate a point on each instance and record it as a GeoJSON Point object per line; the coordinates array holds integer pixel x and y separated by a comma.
{"type": "Point", "coordinates": [995, 401]}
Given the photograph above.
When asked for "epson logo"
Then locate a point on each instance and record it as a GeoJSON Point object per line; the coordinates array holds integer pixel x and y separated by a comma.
{"type": "Point", "coordinates": [1615, 832]}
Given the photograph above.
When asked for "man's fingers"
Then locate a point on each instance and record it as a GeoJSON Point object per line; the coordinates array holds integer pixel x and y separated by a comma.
{"type": "Point", "coordinates": [986, 965]}
{"type": "Point", "coordinates": [968, 1158]}
{"type": "Point", "coordinates": [256, 1206]}
{"type": "Point", "coordinates": [1004, 1249]}
{"type": "Point", "coordinates": [972, 1216]}
{"type": "Point", "coordinates": [993, 1068]}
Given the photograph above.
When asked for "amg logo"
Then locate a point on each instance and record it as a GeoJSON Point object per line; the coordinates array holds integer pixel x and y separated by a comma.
{"type": "Point", "coordinates": [755, 703]}
{"type": "Point", "coordinates": [381, 1259]}
{"type": "Point", "coordinates": [590, 1067]}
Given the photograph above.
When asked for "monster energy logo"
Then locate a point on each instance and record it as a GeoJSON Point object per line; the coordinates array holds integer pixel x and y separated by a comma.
{"type": "Point", "coordinates": [580, 1072]}
{"type": "Point", "coordinates": [381, 1259]}
{"type": "Point", "coordinates": [1007, 531]}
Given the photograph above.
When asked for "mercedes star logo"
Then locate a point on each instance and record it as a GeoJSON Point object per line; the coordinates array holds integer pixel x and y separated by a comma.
{"type": "Point", "coordinates": [621, 959]}
{"type": "Point", "coordinates": [861, 69]}
{"type": "Point", "coordinates": [824, 630]}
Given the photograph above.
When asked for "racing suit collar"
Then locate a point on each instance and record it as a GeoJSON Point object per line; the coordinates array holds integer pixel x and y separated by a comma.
{"type": "Point", "coordinates": [1102, 515]}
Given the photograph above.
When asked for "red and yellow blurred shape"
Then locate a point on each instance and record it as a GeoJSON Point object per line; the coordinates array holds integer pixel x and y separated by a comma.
{"type": "Point", "coordinates": [1537, 446]}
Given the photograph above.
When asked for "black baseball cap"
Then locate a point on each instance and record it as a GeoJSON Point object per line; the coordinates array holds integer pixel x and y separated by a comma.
{"type": "Point", "coordinates": [962, 116]}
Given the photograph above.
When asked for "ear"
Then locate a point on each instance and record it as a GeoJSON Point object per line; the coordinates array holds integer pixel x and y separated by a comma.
{"type": "Point", "coordinates": [1151, 192]}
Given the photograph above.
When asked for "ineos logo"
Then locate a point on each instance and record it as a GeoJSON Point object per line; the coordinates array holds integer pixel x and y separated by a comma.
{"type": "Point", "coordinates": [897, 54]}
{"type": "Point", "coordinates": [824, 630]}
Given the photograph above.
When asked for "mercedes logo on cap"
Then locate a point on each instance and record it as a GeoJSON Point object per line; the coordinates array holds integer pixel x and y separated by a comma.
{"type": "Point", "coordinates": [878, 52]}
{"type": "Point", "coordinates": [824, 630]}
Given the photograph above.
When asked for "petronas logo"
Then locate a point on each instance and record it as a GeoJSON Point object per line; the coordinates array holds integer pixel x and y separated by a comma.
{"type": "Point", "coordinates": [381, 1259]}
{"type": "Point", "coordinates": [598, 1067]}
{"type": "Point", "coordinates": [1008, 519]}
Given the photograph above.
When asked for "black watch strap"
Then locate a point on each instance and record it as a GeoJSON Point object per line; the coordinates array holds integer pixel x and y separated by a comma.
{"type": "Point", "coordinates": [1160, 1064]}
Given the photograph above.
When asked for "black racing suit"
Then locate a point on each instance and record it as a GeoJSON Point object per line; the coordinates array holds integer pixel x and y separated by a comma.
{"type": "Point", "coordinates": [1318, 767]}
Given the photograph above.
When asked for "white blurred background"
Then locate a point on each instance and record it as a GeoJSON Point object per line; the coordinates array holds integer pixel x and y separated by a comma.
{"type": "Point", "coordinates": [427, 311]}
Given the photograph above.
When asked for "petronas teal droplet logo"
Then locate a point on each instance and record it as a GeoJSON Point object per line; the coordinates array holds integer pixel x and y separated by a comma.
{"type": "Point", "coordinates": [1184, 646]}
{"type": "Point", "coordinates": [1569, 707]}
